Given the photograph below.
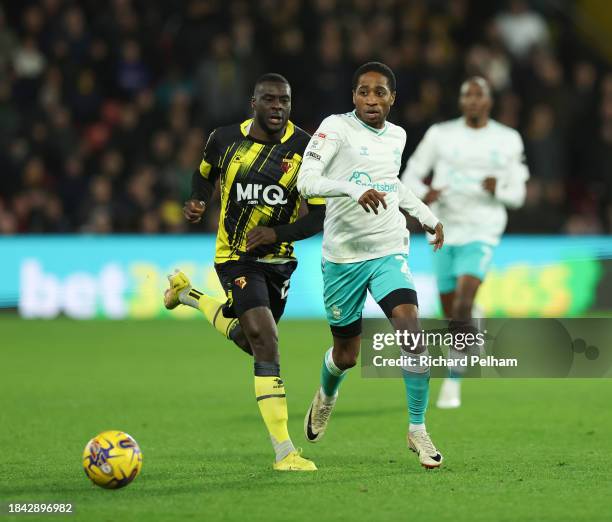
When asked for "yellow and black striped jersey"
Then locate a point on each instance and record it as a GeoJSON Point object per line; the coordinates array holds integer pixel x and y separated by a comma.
{"type": "Point", "coordinates": [258, 187]}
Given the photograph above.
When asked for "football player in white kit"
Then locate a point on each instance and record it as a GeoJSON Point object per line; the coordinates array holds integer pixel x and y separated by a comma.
{"type": "Point", "coordinates": [478, 171]}
{"type": "Point", "coordinates": [353, 160]}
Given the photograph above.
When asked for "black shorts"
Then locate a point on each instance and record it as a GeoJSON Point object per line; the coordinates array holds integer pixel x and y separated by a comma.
{"type": "Point", "coordinates": [249, 284]}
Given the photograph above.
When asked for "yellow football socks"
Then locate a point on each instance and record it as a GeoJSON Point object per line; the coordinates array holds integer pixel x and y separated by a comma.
{"type": "Point", "coordinates": [270, 395]}
{"type": "Point", "coordinates": [212, 310]}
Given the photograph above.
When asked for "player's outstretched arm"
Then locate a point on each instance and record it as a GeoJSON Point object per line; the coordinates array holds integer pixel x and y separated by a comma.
{"type": "Point", "coordinates": [306, 226]}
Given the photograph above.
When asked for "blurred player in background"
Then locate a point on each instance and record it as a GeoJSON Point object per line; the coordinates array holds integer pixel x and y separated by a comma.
{"type": "Point", "coordinates": [478, 170]}
{"type": "Point", "coordinates": [358, 155]}
{"type": "Point", "coordinates": [256, 163]}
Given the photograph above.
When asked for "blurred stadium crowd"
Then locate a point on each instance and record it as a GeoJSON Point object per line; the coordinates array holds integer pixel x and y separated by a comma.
{"type": "Point", "coordinates": [105, 106]}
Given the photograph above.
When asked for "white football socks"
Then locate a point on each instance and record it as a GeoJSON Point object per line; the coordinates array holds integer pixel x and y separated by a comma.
{"type": "Point", "coordinates": [416, 427]}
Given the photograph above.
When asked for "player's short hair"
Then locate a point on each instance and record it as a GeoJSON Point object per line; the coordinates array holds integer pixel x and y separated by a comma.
{"type": "Point", "coordinates": [378, 67]}
{"type": "Point", "coordinates": [271, 77]}
{"type": "Point", "coordinates": [478, 80]}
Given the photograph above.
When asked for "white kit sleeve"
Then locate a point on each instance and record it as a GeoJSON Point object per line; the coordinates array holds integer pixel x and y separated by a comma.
{"type": "Point", "coordinates": [318, 156]}
{"type": "Point", "coordinates": [420, 164]}
{"type": "Point", "coordinates": [416, 208]}
{"type": "Point", "coordinates": [511, 189]}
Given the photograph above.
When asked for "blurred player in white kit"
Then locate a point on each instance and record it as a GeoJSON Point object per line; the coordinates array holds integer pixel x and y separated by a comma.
{"type": "Point", "coordinates": [478, 171]}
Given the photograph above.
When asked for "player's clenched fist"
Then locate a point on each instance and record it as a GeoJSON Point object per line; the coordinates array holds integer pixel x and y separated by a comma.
{"type": "Point", "coordinates": [193, 210]}
{"type": "Point", "coordinates": [370, 199]}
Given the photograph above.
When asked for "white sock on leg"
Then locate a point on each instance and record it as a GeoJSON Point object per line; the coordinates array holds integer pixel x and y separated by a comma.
{"type": "Point", "coordinates": [416, 427]}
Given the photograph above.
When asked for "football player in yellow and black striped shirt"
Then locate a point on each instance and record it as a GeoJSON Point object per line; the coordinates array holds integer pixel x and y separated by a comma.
{"type": "Point", "coordinates": [256, 163]}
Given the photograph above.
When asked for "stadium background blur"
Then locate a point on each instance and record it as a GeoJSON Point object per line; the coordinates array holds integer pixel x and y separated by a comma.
{"type": "Point", "coordinates": [105, 106]}
{"type": "Point", "coordinates": [104, 110]}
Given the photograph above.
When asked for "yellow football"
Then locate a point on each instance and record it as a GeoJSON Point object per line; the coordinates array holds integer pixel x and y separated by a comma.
{"type": "Point", "coordinates": [112, 459]}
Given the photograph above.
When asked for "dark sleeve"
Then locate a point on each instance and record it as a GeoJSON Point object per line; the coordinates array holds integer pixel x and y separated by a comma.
{"type": "Point", "coordinates": [306, 226]}
{"type": "Point", "coordinates": [201, 188]}
{"type": "Point", "coordinates": [204, 178]}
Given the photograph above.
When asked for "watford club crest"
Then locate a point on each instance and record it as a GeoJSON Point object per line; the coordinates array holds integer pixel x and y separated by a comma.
{"type": "Point", "coordinates": [240, 282]}
{"type": "Point", "coordinates": [286, 165]}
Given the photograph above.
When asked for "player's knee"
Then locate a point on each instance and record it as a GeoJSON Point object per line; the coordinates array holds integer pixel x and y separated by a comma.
{"type": "Point", "coordinates": [406, 312]}
{"type": "Point", "coordinates": [345, 359]}
{"type": "Point", "coordinates": [260, 337]}
{"type": "Point", "coordinates": [237, 335]}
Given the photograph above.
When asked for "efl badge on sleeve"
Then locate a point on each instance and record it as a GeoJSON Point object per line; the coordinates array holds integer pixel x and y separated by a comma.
{"type": "Point", "coordinates": [317, 141]}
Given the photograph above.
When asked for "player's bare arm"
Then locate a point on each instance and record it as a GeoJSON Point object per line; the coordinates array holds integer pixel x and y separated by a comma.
{"type": "Point", "coordinates": [260, 235]}
{"type": "Point", "coordinates": [306, 226]}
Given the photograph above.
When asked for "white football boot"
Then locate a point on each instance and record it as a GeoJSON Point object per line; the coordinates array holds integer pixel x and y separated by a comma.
{"type": "Point", "coordinates": [318, 415]}
{"type": "Point", "coordinates": [420, 442]}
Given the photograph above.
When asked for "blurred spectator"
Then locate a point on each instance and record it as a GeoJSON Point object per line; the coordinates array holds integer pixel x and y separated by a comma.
{"type": "Point", "coordinates": [521, 29]}
{"type": "Point", "coordinates": [9, 114]}
{"type": "Point", "coordinates": [28, 65]}
{"type": "Point", "coordinates": [548, 86]}
{"type": "Point", "coordinates": [333, 81]}
{"type": "Point", "coordinates": [132, 73]}
{"type": "Point", "coordinates": [28, 61]}
{"type": "Point", "coordinates": [220, 86]}
{"type": "Point", "coordinates": [508, 109]}
{"type": "Point", "coordinates": [77, 39]}
{"type": "Point", "coordinates": [73, 187]}
{"type": "Point", "coordinates": [492, 63]}
{"type": "Point", "coordinates": [543, 207]}
{"type": "Point", "coordinates": [544, 145]}
{"type": "Point", "coordinates": [8, 43]}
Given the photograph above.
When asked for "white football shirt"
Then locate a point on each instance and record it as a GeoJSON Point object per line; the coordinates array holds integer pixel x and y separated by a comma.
{"type": "Point", "coordinates": [346, 157]}
{"type": "Point", "coordinates": [461, 158]}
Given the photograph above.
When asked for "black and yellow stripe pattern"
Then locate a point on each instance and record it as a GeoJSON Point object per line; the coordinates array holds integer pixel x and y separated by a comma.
{"type": "Point", "coordinates": [258, 187]}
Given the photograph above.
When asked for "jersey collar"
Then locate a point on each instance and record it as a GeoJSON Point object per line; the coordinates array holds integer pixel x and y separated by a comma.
{"type": "Point", "coordinates": [245, 127]}
{"type": "Point", "coordinates": [378, 132]}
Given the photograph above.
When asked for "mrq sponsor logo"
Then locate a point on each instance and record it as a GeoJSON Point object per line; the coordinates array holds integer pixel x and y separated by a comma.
{"type": "Point", "coordinates": [363, 179]}
{"type": "Point", "coordinates": [80, 295]}
{"type": "Point", "coordinates": [251, 193]}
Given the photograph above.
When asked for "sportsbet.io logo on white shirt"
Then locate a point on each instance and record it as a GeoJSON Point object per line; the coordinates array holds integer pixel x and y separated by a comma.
{"type": "Point", "coordinates": [363, 180]}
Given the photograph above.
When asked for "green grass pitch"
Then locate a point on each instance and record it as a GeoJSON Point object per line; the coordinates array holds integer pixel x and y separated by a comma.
{"type": "Point", "coordinates": [517, 450]}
